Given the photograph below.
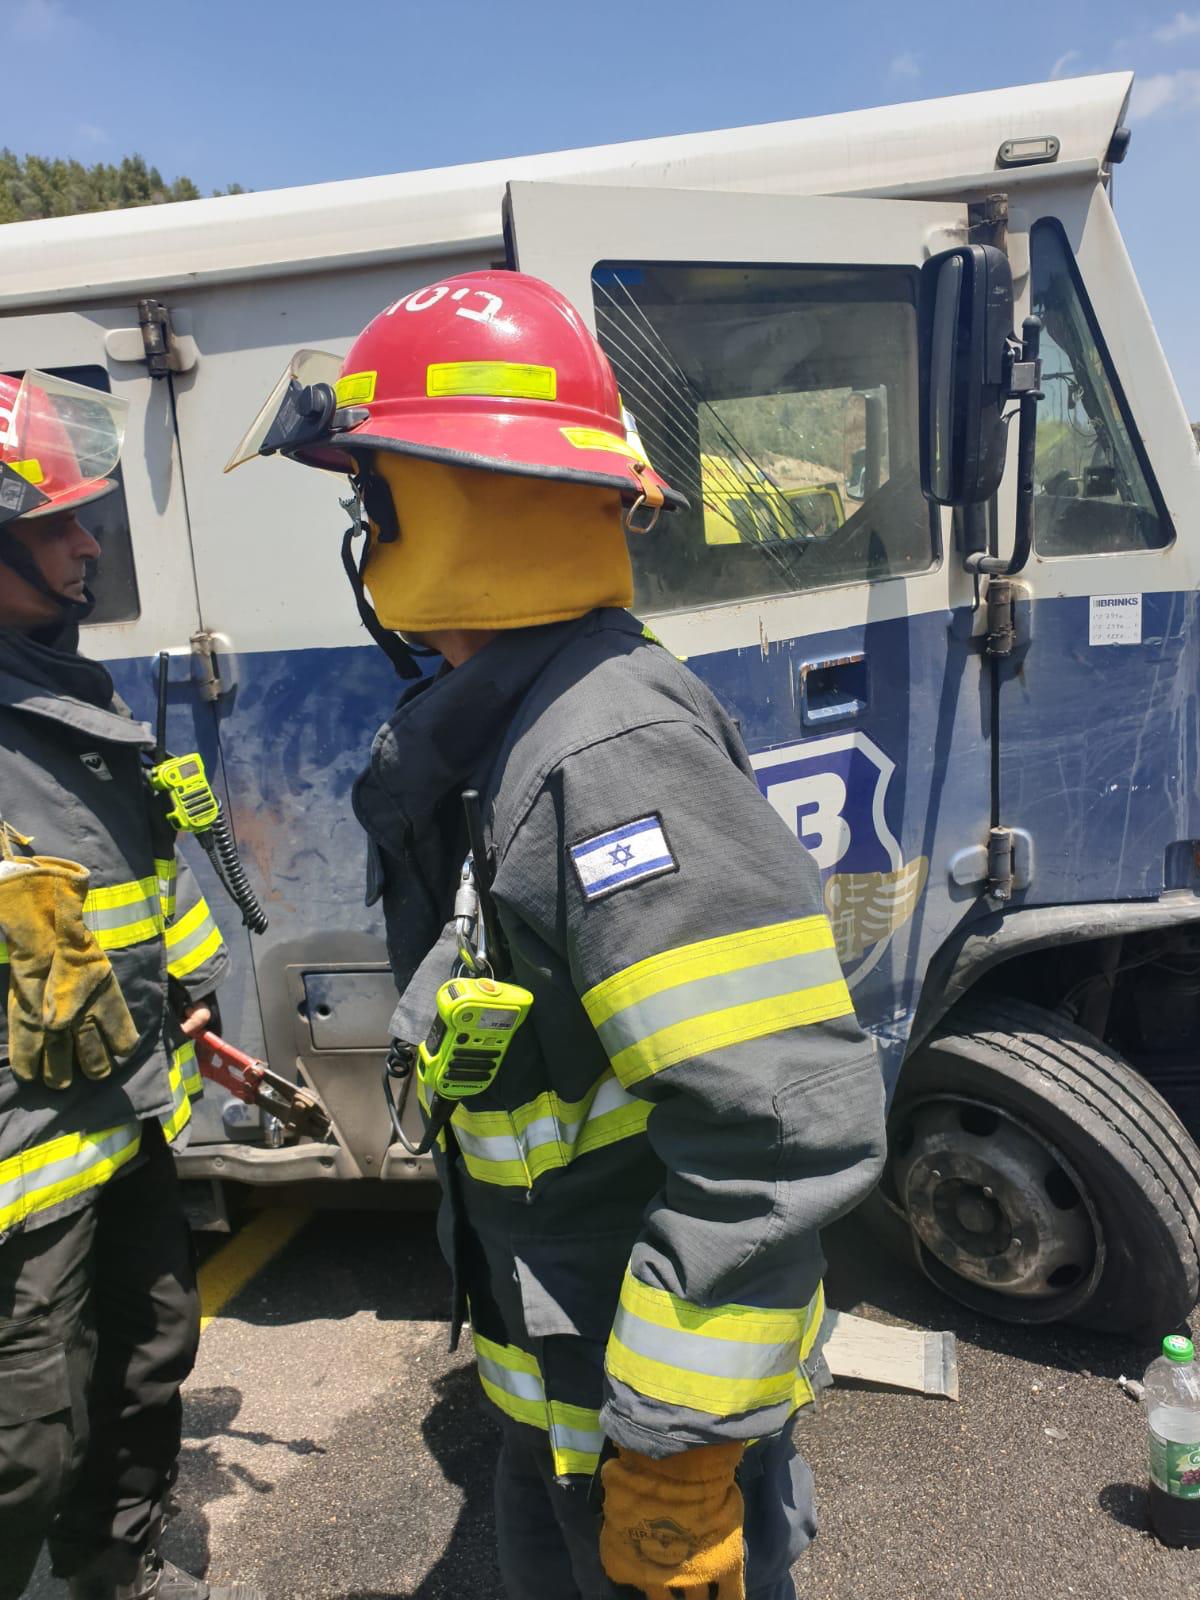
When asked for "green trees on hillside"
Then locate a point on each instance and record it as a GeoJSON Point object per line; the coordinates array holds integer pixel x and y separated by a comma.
{"type": "Point", "coordinates": [38, 186]}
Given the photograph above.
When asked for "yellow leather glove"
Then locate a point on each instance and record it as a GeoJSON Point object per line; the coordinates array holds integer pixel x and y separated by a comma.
{"type": "Point", "coordinates": [673, 1528]}
{"type": "Point", "coordinates": [64, 1003]}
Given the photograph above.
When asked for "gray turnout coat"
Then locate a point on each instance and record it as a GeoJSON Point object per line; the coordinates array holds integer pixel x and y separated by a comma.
{"type": "Point", "coordinates": [633, 1208]}
{"type": "Point", "coordinates": [71, 780]}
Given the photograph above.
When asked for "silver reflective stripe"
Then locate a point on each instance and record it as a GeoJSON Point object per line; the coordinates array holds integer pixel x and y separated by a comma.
{"type": "Point", "coordinates": [91, 1152]}
{"type": "Point", "coordinates": [767, 980]}
{"type": "Point", "coordinates": [543, 1131]}
{"type": "Point", "coordinates": [584, 1440]}
{"type": "Point", "coordinates": [178, 949]}
{"type": "Point", "coordinates": [611, 1096]}
{"type": "Point", "coordinates": [488, 1147]}
{"type": "Point", "coordinates": [102, 919]}
{"type": "Point", "coordinates": [523, 1385]}
{"type": "Point", "coordinates": [695, 1352]}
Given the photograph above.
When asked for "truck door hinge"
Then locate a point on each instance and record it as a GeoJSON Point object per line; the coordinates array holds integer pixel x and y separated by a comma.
{"type": "Point", "coordinates": [158, 336]}
{"type": "Point", "coordinates": [214, 665]}
{"type": "Point", "coordinates": [1000, 864]}
{"type": "Point", "coordinates": [1008, 617]}
{"type": "Point", "coordinates": [162, 340]}
{"type": "Point", "coordinates": [1003, 865]}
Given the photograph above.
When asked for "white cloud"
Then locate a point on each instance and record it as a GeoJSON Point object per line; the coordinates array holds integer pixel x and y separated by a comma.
{"type": "Point", "coordinates": [905, 65]}
{"type": "Point", "coordinates": [1178, 91]}
{"type": "Point", "coordinates": [42, 19]}
{"type": "Point", "coordinates": [1064, 61]}
{"type": "Point", "coordinates": [1183, 25]}
{"type": "Point", "coordinates": [94, 134]}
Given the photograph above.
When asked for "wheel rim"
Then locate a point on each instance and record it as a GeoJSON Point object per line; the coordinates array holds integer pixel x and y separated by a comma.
{"type": "Point", "coordinates": [1003, 1221]}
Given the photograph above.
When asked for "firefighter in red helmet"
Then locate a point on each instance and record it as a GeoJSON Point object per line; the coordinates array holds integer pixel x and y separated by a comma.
{"type": "Point", "coordinates": [108, 960]}
{"type": "Point", "coordinates": [632, 1206]}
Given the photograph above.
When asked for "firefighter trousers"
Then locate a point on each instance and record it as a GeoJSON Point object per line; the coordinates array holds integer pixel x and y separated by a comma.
{"type": "Point", "coordinates": [99, 1323]}
{"type": "Point", "coordinates": [547, 1535]}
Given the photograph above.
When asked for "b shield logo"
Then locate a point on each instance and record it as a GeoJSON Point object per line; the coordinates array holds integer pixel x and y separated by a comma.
{"type": "Point", "coordinates": [832, 793]}
{"type": "Point", "coordinates": [95, 763]}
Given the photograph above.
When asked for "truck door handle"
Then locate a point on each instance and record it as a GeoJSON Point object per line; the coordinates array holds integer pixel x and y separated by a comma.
{"type": "Point", "coordinates": [834, 690]}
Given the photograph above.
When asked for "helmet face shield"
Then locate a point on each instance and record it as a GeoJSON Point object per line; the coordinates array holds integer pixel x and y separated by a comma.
{"type": "Point", "coordinates": [299, 409]}
{"type": "Point", "coordinates": [62, 439]}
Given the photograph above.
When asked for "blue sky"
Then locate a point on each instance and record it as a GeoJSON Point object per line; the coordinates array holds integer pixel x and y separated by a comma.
{"type": "Point", "coordinates": [270, 93]}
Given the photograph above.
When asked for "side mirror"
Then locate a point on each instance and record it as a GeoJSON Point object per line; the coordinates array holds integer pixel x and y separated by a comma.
{"type": "Point", "coordinates": [965, 328]}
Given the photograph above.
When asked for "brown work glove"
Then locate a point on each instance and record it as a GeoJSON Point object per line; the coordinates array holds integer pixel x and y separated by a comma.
{"type": "Point", "coordinates": [64, 1003]}
{"type": "Point", "coordinates": [673, 1528]}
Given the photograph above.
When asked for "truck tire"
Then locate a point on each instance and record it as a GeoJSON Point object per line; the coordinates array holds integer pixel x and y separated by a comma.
{"type": "Point", "coordinates": [1038, 1178]}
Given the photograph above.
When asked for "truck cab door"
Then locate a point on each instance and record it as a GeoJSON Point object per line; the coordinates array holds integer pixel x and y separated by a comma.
{"type": "Point", "coordinates": [766, 350]}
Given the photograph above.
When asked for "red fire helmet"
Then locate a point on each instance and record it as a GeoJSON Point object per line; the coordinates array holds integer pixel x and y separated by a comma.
{"type": "Point", "coordinates": [60, 439]}
{"type": "Point", "coordinates": [484, 369]}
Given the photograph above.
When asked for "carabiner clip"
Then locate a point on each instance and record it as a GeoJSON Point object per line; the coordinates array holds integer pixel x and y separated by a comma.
{"type": "Point", "coordinates": [469, 925]}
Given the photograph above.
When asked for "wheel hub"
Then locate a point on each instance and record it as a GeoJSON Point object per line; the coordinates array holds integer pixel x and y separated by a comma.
{"type": "Point", "coordinates": [993, 1201]}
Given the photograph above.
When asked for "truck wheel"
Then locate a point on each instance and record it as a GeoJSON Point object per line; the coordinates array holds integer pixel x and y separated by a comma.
{"type": "Point", "coordinates": [1040, 1177]}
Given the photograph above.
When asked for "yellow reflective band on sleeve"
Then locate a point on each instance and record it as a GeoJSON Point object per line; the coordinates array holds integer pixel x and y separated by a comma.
{"type": "Point", "coordinates": [192, 940]}
{"type": "Point", "coordinates": [185, 1060]}
{"type": "Point", "coordinates": [36, 1180]}
{"type": "Point", "coordinates": [724, 991]}
{"type": "Point", "coordinates": [725, 1361]}
{"type": "Point", "coordinates": [120, 914]}
{"type": "Point", "coordinates": [30, 470]}
{"type": "Point", "coordinates": [356, 388]}
{"type": "Point", "coordinates": [514, 1148]}
{"type": "Point", "coordinates": [180, 1115]}
{"type": "Point", "coordinates": [123, 914]}
{"type": "Point", "coordinates": [168, 873]}
{"type": "Point", "coordinates": [512, 1381]}
{"type": "Point", "coordinates": [499, 379]}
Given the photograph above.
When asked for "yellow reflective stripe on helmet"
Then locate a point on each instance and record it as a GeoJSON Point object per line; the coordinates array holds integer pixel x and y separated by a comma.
{"type": "Point", "coordinates": [356, 388]}
{"type": "Point", "coordinates": [514, 1148]}
{"type": "Point", "coordinates": [725, 1360]}
{"type": "Point", "coordinates": [718, 992]}
{"type": "Point", "coordinates": [122, 914]}
{"type": "Point", "coordinates": [515, 380]}
{"type": "Point", "coordinates": [29, 469]}
{"type": "Point", "coordinates": [597, 439]}
{"type": "Point", "coordinates": [168, 873]}
{"type": "Point", "coordinates": [512, 1380]}
{"type": "Point", "coordinates": [192, 940]}
{"type": "Point", "coordinates": [180, 1115]}
{"type": "Point", "coordinates": [49, 1174]}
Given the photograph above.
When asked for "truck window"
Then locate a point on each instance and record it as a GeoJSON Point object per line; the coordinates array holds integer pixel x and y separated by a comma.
{"type": "Point", "coordinates": [781, 401]}
{"type": "Point", "coordinates": [1093, 492]}
{"type": "Point", "coordinates": [112, 580]}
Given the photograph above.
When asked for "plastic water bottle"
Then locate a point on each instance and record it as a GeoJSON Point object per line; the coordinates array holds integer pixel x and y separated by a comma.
{"type": "Point", "coordinates": [1172, 1399]}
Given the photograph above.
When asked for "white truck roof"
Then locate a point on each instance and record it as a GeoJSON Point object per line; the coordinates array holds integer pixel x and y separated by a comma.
{"type": "Point", "coordinates": [946, 147]}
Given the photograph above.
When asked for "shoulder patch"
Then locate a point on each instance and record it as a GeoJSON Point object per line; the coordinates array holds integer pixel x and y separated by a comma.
{"type": "Point", "coordinates": [626, 855]}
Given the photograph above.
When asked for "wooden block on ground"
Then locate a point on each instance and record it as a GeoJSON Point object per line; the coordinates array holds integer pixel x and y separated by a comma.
{"type": "Point", "coordinates": [902, 1358]}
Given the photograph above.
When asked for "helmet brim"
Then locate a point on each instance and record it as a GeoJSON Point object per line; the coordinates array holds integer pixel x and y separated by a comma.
{"type": "Point", "coordinates": [80, 494]}
{"type": "Point", "coordinates": [526, 446]}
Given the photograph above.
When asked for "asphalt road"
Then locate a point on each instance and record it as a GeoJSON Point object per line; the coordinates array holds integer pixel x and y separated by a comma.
{"type": "Point", "coordinates": [334, 1450]}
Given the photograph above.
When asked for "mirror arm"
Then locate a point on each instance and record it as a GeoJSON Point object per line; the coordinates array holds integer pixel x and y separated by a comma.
{"type": "Point", "coordinates": [1024, 386]}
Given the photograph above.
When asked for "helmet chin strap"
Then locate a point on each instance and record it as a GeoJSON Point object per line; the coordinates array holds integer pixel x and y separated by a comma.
{"type": "Point", "coordinates": [17, 559]}
{"type": "Point", "coordinates": [393, 646]}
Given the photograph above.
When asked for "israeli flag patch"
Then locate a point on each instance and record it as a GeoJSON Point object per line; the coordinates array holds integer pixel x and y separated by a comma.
{"type": "Point", "coordinates": [629, 854]}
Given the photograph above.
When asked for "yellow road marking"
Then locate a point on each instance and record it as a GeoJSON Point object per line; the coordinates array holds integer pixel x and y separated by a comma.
{"type": "Point", "coordinates": [246, 1254]}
